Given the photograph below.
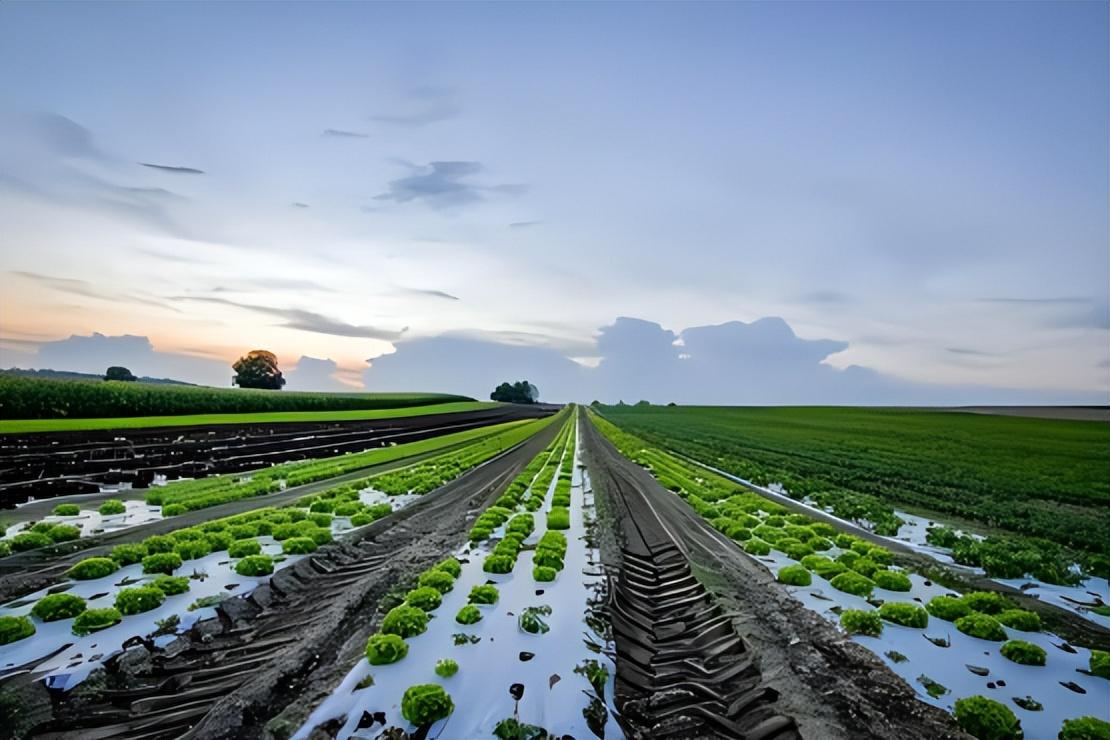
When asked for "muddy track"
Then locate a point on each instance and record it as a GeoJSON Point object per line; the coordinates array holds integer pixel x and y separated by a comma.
{"type": "Point", "coordinates": [709, 645]}
{"type": "Point", "coordinates": [45, 465]}
{"type": "Point", "coordinates": [269, 657]}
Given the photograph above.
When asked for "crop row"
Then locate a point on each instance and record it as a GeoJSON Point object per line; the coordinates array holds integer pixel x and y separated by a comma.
{"type": "Point", "coordinates": [1034, 477]}
{"type": "Point", "coordinates": [181, 496]}
{"type": "Point", "coordinates": [853, 566]}
{"type": "Point", "coordinates": [37, 398]}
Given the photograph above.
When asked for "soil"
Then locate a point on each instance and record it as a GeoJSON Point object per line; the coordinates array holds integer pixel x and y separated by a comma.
{"type": "Point", "coordinates": [261, 667]}
{"type": "Point", "coordinates": [829, 685]}
{"type": "Point", "coordinates": [47, 465]}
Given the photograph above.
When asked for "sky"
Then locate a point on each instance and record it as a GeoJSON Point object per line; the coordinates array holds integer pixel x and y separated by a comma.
{"type": "Point", "coordinates": [720, 202]}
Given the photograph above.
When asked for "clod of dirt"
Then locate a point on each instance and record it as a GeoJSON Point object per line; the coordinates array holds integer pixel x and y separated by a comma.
{"type": "Point", "coordinates": [991, 685]}
{"type": "Point", "coordinates": [977, 670]}
{"type": "Point", "coordinates": [1073, 686]}
{"type": "Point", "coordinates": [554, 679]}
{"type": "Point", "coordinates": [517, 691]}
{"type": "Point", "coordinates": [1065, 647]}
{"type": "Point", "coordinates": [526, 656]}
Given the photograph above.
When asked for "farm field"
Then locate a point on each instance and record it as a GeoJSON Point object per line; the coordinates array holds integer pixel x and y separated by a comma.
{"type": "Point", "coordinates": [1036, 477]}
{"type": "Point", "coordinates": [32, 426]}
{"type": "Point", "coordinates": [40, 398]}
{"type": "Point", "coordinates": [363, 594]}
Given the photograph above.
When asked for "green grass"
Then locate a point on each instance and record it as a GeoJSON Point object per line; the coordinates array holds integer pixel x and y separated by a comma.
{"type": "Point", "coordinates": [39, 398]}
{"type": "Point", "coordinates": [1040, 477]}
{"type": "Point", "coordinates": [22, 426]}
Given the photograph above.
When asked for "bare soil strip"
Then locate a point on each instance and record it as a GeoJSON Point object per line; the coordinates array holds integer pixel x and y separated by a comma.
{"type": "Point", "coordinates": [273, 655]}
{"type": "Point", "coordinates": [830, 686]}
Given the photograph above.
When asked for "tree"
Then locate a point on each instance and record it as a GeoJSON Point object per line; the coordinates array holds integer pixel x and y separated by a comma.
{"type": "Point", "coordinates": [259, 369]}
{"type": "Point", "coordinates": [519, 392]}
{"type": "Point", "coordinates": [115, 372]}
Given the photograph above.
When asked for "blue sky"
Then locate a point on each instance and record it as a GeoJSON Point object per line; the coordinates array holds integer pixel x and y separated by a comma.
{"type": "Point", "coordinates": [924, 185]}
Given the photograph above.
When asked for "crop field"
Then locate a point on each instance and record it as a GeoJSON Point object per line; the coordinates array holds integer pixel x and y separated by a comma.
{"type": "Point", "coordinates": [627, 576]}
{"type": "Point", "coordinates": [1037, 477]}
{"type": "Point", "coordinates": [39, 398]}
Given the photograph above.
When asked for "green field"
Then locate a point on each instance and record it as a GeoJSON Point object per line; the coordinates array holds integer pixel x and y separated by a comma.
{"type": "Point", "coordinates": [38, 398]}
{"type": "Point", "coordinates": [22, 426]}
{"type": "Point", "coordinates": [1035, 477]}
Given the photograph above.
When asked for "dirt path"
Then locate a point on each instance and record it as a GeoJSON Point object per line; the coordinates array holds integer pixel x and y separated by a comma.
{"type": "Point", "coordinates": [262, 665]}
{"type": "Point", "coordinates": [830, 686]}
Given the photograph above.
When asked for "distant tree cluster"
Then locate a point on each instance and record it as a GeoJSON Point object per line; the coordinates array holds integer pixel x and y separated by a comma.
{"type": "Point", "coordinates": [258, 369]}
{"type": "Point", "coordinates": [119, 373]}
{"type": "Point", "coordinates": [519, 392]}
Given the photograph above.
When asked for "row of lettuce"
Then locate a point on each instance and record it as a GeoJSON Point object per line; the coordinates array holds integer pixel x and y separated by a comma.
{"type": "Point", "coordinates": [300, 528]}
{"type": "Point", "coordinates": [178, 497]}
{"type": "Point", "coordinates": [423, 704]}
{"type": "Point", "coordinates": [760, 526]}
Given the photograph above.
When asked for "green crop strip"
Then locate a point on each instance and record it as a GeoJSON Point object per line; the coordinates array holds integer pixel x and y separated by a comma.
{"type": "Point", "coordinates": [38, 398]}
{"type": "Point", "coordinates": [23, 426]}
{"type": "Point", "coordinates": [179, 497]}
{"type": "Point", "coordinates": [1034, 477]}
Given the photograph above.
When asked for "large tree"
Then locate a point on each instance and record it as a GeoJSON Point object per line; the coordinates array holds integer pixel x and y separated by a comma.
{"type": "Point", "coordinates": [259, 369]}
{"type": "Point", "coordinates": [116, 372]}
{"type": "Point", "coordinates": [519, 392]}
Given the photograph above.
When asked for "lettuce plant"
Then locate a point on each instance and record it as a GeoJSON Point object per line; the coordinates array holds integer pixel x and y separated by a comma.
{"type": "Point", "coordinates": [139, 599]}
{"type": "Point", "coordinates": [298, 546]}
{"type": "Point", "coordinates": [446, 668]}
{"type": "Point", "coordinates": [483, 594]}
{"type": "Point", "coordinates": [531, 619]}
{"type": "Point", "coordinates": [425, 597]}
{"type": "Point", "coordinates": [90, 568]}
{"type": "Point", "coordinates": [983, 626]}
{"type": "Point", "coordinates": [158, 543]}
{"type": "Point", "coordinates": [558, 518]}
{"type": "Point", "coordinates": [243, 548]}
{"type": "Point", "coordinates": [1020, 619]}
{"type": "Point", "coordinates": [1099, 663]}
{"type": "Point", "coordinates": [986, 602]}
{"type": "Point", "coordinates": [469, 614]}
{"type": "Point", "coordinates": [757, 547]}
{"type": "Point", "coordinates": [795, 575]}
{"type": "Point", "coordinates": [851, 582]}
{"type": "Point", "coordinates": [405, 621]}
{"type": "Point", "coordinates": [192, 549]}
{"type": "Point", "coordinates": [1085, 728]}
{"type": "Point", "coordinates": [949, 608]}
{"type": "Point", "coordinates": [255, 565]}
{"type": "Point", "coordinates": [63, 533]}
{"type": "Point", "coordinates": [67, 510]}
{"type": "Point", "coordinates": [58, 606]}
{"type": "Point", "coordinates": [173, 510]}
{"type": "Point", "coordinates": [987, 719]}
{"type": "Point", "coordinates": [1025, 653]}
{"type": "Point", "coordinates": [440, 580]}
{"type": "Point", "coordinates": [13, 629]}
{"type": "Point", "coordinates": [450, 565]}
{"type": "Point", "coordinates": [382, 649]}
{"type": "Point", "coordinates": [162, 562]}
{"type": "Point", "coordinates": [218, 541]}
{"type": "Point", "coordinates": [892, 580]}
{"type": "Point", "coordinates": [544, 573]}
{"type": "Point", "coordinates": [111, 507]}
{"type": "Point", "coordinates": [93, 620]}
{"type": "Point", "coordinates": [426, 703]}
{"type": "Point", "coordinates": [171, 585]}
{"type": "Point", "coordinates": [859, 622]}
{"type": "Point", "coordinates": [498, 564]}
{"type": "Point", "coordinates": [907, 615]}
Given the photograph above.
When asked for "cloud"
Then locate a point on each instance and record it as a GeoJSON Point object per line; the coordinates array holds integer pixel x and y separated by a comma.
{"type": "Point", "coordinates": [336, 133]}
{"type": "Point", "coordinates": [759, 363]}
{"type": "Point", "coordinates": [524, 224]}
{"type": "Point", "coordinates": [307, 320]}
{"type": "Point", "coordinates": [314, 374]}
{"type": "Point", "coordinates": [441, 184]}
{"type": "Point", "coordinates": [431, 105]}
{"type": "Point", "coordinates": [173, 168]}
{"type": "Point", "coordinates": [300, 205]}
{"type": "Point", "coordinates": [969, 352]}
{"type": "Point", "coordinates": [827, 297]}
{"type": "Point", "coordinates": [65, 137]}
{"type": "Point", "coordinates": [86, 290]}
{"type": "Point", "coordinates": [430, 293]}
{"type": "Point", "coordinates": [1062, 312]}
{"type": "Point", "coordinates": [96, 352]}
